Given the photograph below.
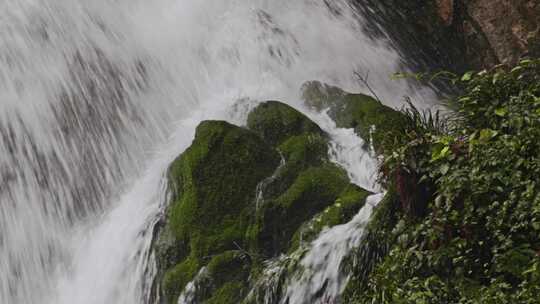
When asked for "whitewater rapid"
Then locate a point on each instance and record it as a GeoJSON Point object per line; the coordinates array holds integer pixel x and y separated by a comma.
{"type": "Point", "coordinates": [98, 97]}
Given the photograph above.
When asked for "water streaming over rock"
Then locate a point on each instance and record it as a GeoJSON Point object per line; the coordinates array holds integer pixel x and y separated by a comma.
{"type": "Point", "coordinates": [323, 277]}
{"type": "Point", "coordinates": [98, 97]}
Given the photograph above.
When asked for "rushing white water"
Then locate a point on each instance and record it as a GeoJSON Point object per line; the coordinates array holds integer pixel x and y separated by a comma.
{"type": "Point", "coordinates": [350, 152]}
{"type": "Point", "coordinates": [98, 97]}
{"type": "Point", "coordinates": [322, 278]}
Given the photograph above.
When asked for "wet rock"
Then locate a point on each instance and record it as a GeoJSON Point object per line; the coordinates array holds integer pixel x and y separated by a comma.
{"type": "Point", "coordinates": [371, 120]}
{"type": "Point", "coordinates": [275, 122]}
{"type": "Point", "coordinates": [511, 27]}
{"type": "Point", "coordinates": [234, 206]}
{"type": "Point", "coordinates": [214, 184]}
{"type": "Point", "coordinates": [349, 201]}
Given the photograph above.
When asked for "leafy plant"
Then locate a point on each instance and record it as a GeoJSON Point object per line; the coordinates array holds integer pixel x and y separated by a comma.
{"type": "Point", "coordinates": [476, 181]}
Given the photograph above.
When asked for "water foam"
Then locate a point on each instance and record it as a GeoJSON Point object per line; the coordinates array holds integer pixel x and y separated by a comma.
{"type": "Point", "coordinates": [96, 97]}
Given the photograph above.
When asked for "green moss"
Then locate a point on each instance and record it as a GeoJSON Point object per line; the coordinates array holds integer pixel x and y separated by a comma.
{"type": "Point", "coordinates": [301, 142]}
{"type": "Point", "coordinates": [312, 191]}
{"type": "Point", "coordinates": [176, 278]}
{"type": "Point", "coordinates": [216, 178]}
{"type": "Point", "coordinates": [213, 185]}
{"type": "Point", "coordinates": [349, 202]}
{"type": "Point", "coordinates": [300, 153]}
{"type": "Point", "coordinates": [371, 120]}
{"type": "Point", "coordinates": [275, 122]}
{"type": "Point", "coordinates": [227, 294]}
{"type": "Point", "coordinates": [305, 150]}
{"type": "Point", "coordinates": [214, 218]}
{"type": "Point", "coordinates": [229, 266]}
{"type": "Point", "coordinates": [320, 96]}
{"type": "Point", "coordinates": [314, 188]}
{"type": "Point", "coordinates": [168, 249]}
{"type": "Point", "coordinates": [305, 185]}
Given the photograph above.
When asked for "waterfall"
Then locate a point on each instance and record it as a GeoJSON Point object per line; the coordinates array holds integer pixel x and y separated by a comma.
{"type": "Point", "coordinates": [98, 97]}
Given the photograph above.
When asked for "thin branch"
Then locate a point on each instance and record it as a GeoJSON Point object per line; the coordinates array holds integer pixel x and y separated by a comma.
{"type": "Point", "coordinates": [364, 80]}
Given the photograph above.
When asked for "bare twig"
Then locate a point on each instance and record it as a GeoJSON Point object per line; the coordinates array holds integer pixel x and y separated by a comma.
{"type": "Point", "coordinates": [364, 80]}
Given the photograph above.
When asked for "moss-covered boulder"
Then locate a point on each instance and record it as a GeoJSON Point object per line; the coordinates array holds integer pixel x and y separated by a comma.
{"type": "Point", "coordinates": [320, 96]}
{"type": "Point", "coordinates": [311, 192]}
{"type": "Point", "coordinates": [230, 272]}
{"type": "Point", "coordinates": [213, 185]}
{"type": "Point", "coordinates": [276, 121]}
{"type": "Point", "coordinates": [176, 278]}
{"type": "Point", "coordinates": [301, 143]}
{"type": "Point", "coordinates": [371, 120]}
{"type": "Point", "coordinates": [304, 186]}
{"type": "Point", "coordinates": [240, 195]}
{"type": "Point", "coordinates": [344, 208]}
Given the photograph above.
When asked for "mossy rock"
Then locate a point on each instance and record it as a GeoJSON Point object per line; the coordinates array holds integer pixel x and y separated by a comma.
{"type": "Point", "coordinates": [312, 191]}
{"type": "Point", "coordinates": [306, 183]}
{"type": "Point", "coordinates": [345, 207]}
{"type": "Point", "coordinates": [275, 122]}
{"type": "Point", "coordinates": [304, 186]}
{"type": "Point", "coordinates": [213, 185]}
{"type": "Point", "coordinates": [216, 179]}
{"type": "Point", "coordinates": [310, 149]}
{"type": "Point", "coordinates": [228, 273]}
{"type": "Point", "coordinates": [234, 205]}
{"type": "Point", "coordinates": [227, 294]}
{"type": "Point", "coordinates": [168, 249]}
{"type": "Point", "coordinates": [232, 265]}
{"type": "Point", "coordinates": [371, 120]}
{"type": "Point", "coordinates": [320, 96]}
{"type": "Point", "coordinates": [299, 153]}
{"type": "Point", "coordinates": [177, 277]}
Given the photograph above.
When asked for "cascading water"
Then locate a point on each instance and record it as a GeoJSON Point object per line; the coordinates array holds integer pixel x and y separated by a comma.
{"type": "Point", "coordinates": [315, 273]}
{"type": "Point", "coordinates": [98, 97]}
{"type": "Point", "coordinates": [323, 278]}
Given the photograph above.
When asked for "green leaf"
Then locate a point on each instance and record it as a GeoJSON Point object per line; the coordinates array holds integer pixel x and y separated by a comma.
{"type": "Point", "coordinates": [440, 151]}
{"type": "Point", "coordinates": [500, 112]}
{"type": "Point", "coordinates": [399, 75]}
{"type": "Point", "coordinates": [446, 140]}
{"type": "Point", "coordinates": [444, 169]}
{"type": "Point", "coordinates": [464, 99]}
{"type": "Point", "coordinates": [467, 76]}
{"type": "Point", "coordinates": [516, 69]}
{"type": "Point", "coordinates": [487, 134]}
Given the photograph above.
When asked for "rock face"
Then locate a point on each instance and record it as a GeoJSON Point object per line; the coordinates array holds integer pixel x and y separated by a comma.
{"type": "Point", "coordinates": [494, 31]}
{"type": "Point", "coordinates": [512, 27]}
{"type": "Point", "coordinates": [460, 34]}
{"type": "Point", "coordinates": [242, 196]}
{"type": "Point", "coordinates": [445, 9]}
